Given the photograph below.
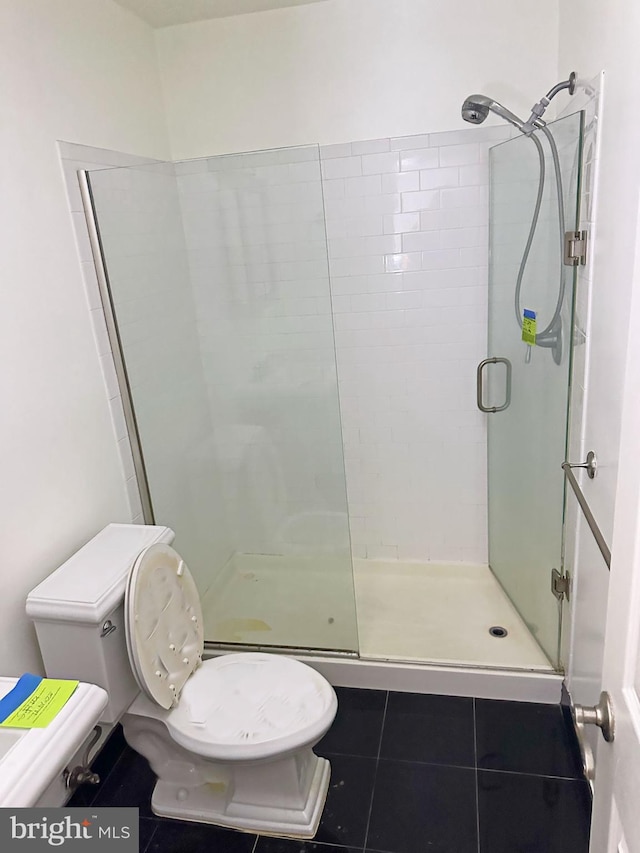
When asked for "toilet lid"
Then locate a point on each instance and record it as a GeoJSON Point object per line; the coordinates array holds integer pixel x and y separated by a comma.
{"type": "Point", "coordinates": [163, 623]}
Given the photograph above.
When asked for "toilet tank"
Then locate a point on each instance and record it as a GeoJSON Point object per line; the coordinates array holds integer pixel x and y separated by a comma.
{"type": "Point", "coordinates": [78, 613]}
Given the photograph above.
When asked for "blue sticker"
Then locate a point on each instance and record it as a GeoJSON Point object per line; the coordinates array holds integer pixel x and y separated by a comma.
{"type": "Point", "coordinates": [25, 686]}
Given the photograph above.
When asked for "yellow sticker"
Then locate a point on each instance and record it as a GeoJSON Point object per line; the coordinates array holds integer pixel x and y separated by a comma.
{"type": "Point", "coordinates": [529, 327]}
{"type": "Point", "coordinates": [38, 709]}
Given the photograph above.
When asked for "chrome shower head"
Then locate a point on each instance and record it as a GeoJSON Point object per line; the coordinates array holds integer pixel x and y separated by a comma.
{"type": "Point", "coordinates": [476, 108]}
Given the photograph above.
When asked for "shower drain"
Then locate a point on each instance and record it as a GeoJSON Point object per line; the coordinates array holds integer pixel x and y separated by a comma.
{"type": "Point", "coordinates": [498, 631]}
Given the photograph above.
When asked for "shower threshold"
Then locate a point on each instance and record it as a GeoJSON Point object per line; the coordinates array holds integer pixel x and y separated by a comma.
{"type": "Point", "coordinates": [480, 682]}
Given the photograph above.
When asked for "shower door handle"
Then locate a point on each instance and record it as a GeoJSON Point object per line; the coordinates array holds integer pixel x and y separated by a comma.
{"type": "Point", "coordinates": [481, 367]}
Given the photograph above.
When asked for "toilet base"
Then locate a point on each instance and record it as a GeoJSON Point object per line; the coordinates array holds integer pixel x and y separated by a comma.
{"type": "Point", "coordinates": [244, 805]}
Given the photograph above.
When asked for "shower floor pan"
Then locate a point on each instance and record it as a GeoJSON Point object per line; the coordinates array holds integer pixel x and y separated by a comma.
{"type": "Point", "coordinates": [432, 613]}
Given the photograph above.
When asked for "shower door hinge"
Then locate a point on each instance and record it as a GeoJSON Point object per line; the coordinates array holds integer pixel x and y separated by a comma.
{"type": "Point", "coordinates": [560, 584]}
{"type": "Point", "coordinates": [575, 248]}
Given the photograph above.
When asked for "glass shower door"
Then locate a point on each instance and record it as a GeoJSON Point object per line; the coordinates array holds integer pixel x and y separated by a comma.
{"type": "Point", "coordinates": [218, 281]}
{"type": "Point", "coordinates": [527, 438]}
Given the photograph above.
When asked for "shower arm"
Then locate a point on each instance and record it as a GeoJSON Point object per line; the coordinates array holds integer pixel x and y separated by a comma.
{"type": "Point", "coordinates": [535, 120]}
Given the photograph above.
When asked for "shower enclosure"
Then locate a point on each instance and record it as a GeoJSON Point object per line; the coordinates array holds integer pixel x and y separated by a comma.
{"type": "Point", "coordinates": [215, 281]}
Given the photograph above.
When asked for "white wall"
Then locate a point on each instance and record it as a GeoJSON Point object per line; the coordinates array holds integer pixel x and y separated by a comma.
{"type": "Point", "coordinates": [349, 69]}
{"type": "Point", "coordinates": [603, 36]}
{"type": "Point", "coordinates": [89, 78]}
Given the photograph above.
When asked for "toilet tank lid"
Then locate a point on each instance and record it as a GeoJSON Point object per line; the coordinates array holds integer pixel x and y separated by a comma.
{"type": "Point", "coordinates": [91, 583]}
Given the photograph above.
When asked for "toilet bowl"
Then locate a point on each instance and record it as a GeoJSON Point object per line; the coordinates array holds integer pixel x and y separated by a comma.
{"type": "Point", "coordinates": [230, 739]}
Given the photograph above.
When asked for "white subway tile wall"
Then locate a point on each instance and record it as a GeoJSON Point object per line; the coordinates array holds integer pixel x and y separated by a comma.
{"type": "Point", "coordinates": [407, 225]}
{"type": "Point", "coordinates": [256, 245]}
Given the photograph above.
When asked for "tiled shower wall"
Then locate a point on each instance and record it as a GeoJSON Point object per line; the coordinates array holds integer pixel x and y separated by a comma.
{"type": "Point", "coordinates": [406, 224]}
{"type": "Point", "coordinates": [407, 227]}
{"type": "Point", "coordinates": [255, 237]}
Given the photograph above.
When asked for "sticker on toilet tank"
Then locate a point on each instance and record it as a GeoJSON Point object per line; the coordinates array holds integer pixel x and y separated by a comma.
{"type": "Point", "coordinates": [529, 327]}
{"type": "Point", "coordinates": [34, 701]}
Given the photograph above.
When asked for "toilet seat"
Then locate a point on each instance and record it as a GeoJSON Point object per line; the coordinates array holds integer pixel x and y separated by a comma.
{"type": "Point", "coordinates": [251, 706]}
{"type": "Point", "coordinates": [238, 707]}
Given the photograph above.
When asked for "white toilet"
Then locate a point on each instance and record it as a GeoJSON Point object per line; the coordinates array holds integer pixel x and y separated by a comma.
{"type": "Point", "coordinates": [230, 738]}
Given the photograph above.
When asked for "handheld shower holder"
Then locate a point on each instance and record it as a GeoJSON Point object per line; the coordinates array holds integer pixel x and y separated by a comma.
{"type": "Point", "coordinates": [535, 120]}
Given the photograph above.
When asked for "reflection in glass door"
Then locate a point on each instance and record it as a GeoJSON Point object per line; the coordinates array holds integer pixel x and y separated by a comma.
{"type": "Point", "coordinates": [218, 280]}
{"type": "Point", "coordinates": [527, 438]}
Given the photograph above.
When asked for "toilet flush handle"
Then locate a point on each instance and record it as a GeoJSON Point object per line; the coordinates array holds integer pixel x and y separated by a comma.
{"type": "Point", "coordinates": [107, 628]}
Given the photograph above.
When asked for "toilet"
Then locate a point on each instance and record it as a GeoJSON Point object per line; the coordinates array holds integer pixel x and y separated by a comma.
{"type": "Point", "coordinates": [229, 738]}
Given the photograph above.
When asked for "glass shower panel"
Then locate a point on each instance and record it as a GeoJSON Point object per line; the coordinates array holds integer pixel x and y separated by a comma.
{"type": "Point", "coordinates": [527, 441]}
{"type": "Point", "coordinates": [140, 225]}
{"type": "Point", "coordinates": [255, 233]}
{"type": "Point", "coordinates": [259, 419]}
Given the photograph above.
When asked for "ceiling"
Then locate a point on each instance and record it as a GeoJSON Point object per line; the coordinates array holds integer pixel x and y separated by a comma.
{"type": "Point", "coordinates": [166, 13]}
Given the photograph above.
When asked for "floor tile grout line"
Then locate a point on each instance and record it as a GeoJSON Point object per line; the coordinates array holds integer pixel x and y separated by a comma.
{"type": "Point", "coordinates": [426, 763]}
{"type": "Point", "coordinates": [475, 761]}
{"type": "Point", "coordinates": [375, 774]}
{"type": "Point", "coordinates": [384, 719]}
{"type": "Point", "coordinates": [531, 775]}
{"type": "Point", "coordinates": [404, 761]}
{"type": "Point", "coordinates": [152, 836]}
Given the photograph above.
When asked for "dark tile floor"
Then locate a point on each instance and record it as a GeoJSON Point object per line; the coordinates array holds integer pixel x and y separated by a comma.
{"type": "Point", "coordinates": [409, 773]}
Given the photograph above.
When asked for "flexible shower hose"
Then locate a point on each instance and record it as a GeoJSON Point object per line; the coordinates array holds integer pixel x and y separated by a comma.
{"type": "Point", "coordinates": [534, 223]}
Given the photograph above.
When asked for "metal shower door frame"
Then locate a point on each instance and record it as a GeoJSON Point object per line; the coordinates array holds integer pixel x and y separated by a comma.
{"type": "Point", "coordinates": [116, 344]}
